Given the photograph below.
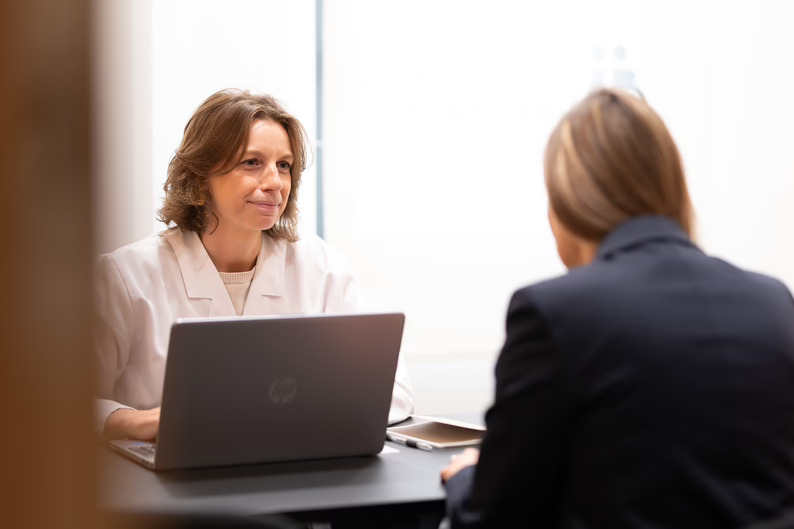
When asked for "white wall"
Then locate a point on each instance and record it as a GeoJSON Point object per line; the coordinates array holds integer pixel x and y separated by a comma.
{"type": "Point", "coordinates": [123, 122]}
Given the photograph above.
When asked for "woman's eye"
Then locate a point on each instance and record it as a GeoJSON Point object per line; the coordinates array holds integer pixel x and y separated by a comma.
{"type": "Point", "coordinates": [284, 166]}
{"type": "Point", "coordinates": [251, 162]}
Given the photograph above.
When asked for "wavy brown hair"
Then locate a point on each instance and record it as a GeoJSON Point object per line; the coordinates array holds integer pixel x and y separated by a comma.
{"type": "Point", "coordinates": [611, 158]}
{"type": "Point", "coordinates": [213, 144]}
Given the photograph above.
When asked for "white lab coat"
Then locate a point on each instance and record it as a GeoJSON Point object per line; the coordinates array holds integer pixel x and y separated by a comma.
{"type": "Point", "coordinates": [144, 286]}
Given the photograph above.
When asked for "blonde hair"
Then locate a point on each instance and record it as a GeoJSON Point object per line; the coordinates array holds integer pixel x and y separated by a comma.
{"type": "Point", "coordinates": [609, 159]}
{"type": "Point", "coordinates": [213, 143]}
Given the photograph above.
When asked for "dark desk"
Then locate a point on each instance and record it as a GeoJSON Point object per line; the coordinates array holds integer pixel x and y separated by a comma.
{"type": "Point", "coordinates": [407, 481]}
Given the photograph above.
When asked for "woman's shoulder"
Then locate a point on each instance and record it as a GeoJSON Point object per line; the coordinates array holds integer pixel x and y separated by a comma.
{"type": "Point", "coordinates": [585, 281]}
{"type": "Point", "coordinates": [149, 250]}
{"type": "Point", "coordinates": [581, 293]}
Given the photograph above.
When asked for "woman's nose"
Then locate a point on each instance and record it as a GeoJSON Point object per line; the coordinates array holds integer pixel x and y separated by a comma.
{"type": "Point", "coordinates": [271, 178]}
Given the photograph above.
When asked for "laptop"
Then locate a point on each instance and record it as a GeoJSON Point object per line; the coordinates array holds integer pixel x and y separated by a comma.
{"type": "Point", "coordinates": [245, 390]}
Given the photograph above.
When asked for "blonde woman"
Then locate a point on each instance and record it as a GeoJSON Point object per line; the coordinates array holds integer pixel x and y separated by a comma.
{"type": "Point", "coordinates": [652, 386]}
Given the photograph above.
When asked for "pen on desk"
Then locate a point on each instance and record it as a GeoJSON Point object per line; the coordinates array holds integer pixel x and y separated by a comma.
{"type": "Point", "coordinates": [410, 443]}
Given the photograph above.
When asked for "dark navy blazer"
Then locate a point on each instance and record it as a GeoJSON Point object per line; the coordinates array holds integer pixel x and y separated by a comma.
{"type": "Point", "coordinates": [652, 388]}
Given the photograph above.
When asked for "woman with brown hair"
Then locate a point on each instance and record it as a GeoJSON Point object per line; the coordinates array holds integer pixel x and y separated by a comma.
{"type": "Point", "coordinates": [231, 248]}
{"type": "Point", "coordinates": [650, 386]}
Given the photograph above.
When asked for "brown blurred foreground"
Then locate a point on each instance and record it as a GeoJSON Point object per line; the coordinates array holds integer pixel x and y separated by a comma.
{"type": "Point", "coordinates": [48, 474]}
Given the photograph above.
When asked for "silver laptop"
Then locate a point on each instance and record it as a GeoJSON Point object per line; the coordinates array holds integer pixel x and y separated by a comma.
{"type": "Point", "coordinates": [263, 389]}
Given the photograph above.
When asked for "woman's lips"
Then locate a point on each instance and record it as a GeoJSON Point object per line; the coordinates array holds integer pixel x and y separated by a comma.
{"type": "Point", "coordinates": [266, 206]}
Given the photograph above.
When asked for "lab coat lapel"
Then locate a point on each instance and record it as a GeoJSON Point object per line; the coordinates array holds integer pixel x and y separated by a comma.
{"type": "Point", "coordinates": [203, 283]}
{"type": "Point", "coordinates": [267, 284]}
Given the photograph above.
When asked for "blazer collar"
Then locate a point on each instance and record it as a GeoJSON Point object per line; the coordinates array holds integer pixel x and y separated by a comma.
{"type": "Point", "coordinates": [640, 230]}
{"type": "Point", "coordinates": [202, 280]}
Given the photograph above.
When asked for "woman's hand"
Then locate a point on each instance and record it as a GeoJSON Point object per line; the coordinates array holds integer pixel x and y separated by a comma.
{"type": "Point", "coordinates": [468, 457]}
{"type": "Point", "coordinates": [125, 423]}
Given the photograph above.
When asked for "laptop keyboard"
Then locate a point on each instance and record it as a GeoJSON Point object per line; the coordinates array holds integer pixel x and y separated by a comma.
{"type": "Point", "coordinates": [144, 450]}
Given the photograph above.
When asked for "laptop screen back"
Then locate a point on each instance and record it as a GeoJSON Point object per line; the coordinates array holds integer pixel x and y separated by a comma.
{"type": "Point", "coordinates": [262, 389]}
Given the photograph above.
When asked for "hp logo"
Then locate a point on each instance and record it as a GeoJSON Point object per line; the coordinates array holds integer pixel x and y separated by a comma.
{"type": "Point", "coordinates": [282, 390]}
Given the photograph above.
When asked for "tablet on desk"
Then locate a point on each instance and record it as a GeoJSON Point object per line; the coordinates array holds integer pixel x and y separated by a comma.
{"type": "Point", "coordinates": [435, 432]}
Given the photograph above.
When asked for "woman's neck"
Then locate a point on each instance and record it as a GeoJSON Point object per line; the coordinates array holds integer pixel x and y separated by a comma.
{"type": "Point", "coordinates": [232, 252]}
